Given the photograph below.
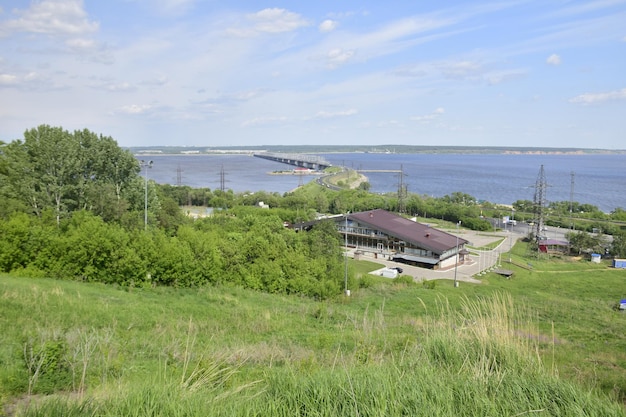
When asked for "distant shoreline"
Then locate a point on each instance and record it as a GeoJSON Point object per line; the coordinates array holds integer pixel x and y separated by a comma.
{"type": "Point", "coordinates": [402, 149]}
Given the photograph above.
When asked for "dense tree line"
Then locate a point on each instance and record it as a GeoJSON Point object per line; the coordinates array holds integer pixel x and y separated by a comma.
{"type": "Point", "coordinates": [253, 250]}
{"type": "Point", "coordinates": [72, 207]}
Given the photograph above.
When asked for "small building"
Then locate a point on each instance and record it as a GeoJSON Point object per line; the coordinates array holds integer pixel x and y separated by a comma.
{"type": "Point", "coordinates": [400, 239]}
{"type": "Point", "coordinates": [619, 263]}
{"type": "Point", "coordinates": [553, 246]}
{"type": "Point", "coordinates": [596, 258]}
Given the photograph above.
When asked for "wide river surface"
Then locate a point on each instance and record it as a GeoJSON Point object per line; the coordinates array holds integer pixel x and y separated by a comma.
{"type": "Point", "coordinates": [596, 179]}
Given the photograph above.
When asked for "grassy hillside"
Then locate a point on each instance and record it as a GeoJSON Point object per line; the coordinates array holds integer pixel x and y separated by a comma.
{"type": "Point", "coordinates": [546, 342]}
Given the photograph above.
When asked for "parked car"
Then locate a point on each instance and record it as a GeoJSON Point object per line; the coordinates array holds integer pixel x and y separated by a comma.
{"type": "Point", "coordinates": [397, 268]}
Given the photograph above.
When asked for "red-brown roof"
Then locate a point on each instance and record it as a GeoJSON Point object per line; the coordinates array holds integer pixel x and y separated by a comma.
{"type": "Point", "coordinates": [419, 234]}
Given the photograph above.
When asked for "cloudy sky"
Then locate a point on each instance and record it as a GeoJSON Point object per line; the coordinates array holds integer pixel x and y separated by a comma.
{"type": "Point", "coordinates": [242, 72]}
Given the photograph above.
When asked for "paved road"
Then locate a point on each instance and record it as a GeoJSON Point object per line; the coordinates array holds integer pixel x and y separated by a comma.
{"type": "Point", "coordinates": [469, 272]}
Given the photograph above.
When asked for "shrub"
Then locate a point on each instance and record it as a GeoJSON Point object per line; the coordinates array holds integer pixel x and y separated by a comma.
{"type": "Point", "coordinates": [366, 281]}
{"type": "Point", "coordinates": [404, 279]}
{"type": "Point", "coordinates": [429, 285]}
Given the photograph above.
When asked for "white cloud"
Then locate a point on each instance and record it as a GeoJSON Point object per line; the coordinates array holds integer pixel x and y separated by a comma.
{"type": "Point", "coordinates": [81, 44]}
{"type": "Point", "coordinates": [158, 80]}
{"type": "Point", "coordinates": [8, 79]}
{"type": "Point", "coordinates": [426, 118]}
{"type": "Point", "coordinates": [338, 56]}
{"type": "Point", "coordinates": [26, 81]}
{"type": "Point", "coordinates": [276, 20]}
{"type": "Point", "coordinates": [135, 109]}
{"type": "Point", "coordinates": [389, 123]}
{"type": "Point", "coordinates": [328, 115]}
{"type": "Point", "coordinates": [174, 6]}
{"type": "Point", "coordinates": [596, 98]}
{"type": "Point", "coordinates": [554, 59]}
{"type": "Point", "coordinates": [120, 87]}
{"type": "Point", "coordinates": [263, 121]}
{"type": "Point", "coordinates": [461, 69]}
{"type": "Point", "coordinates": [273, 20]}
{"type": "Point", "coordinates": [52, 17]}
{"type": "Point", "coordinates": [498, 77]}
{"type": "Point", "coordinates": [245, 95]}
{"type": "Point", "coordinates": [328, 25]}
{"type": "Point", "coordinates": [468, 70]}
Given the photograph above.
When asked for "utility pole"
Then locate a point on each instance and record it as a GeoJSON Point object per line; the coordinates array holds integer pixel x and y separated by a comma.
{"type": "Point", "coordinates": [145, 165]}
{"type": "Point", "coordinates": [345, 278]}
{"type": "Point", "coordinates": [571, 200]}
{"type": "Point", "coordinates": [456, 256]}
{"type": "Point", "coordinates": [539, 203]}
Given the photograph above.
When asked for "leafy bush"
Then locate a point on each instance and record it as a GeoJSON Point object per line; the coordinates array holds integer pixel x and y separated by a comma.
{"type": "Point", "coordinates": [429, 284]}
{"type": "Point", "coordinates": [366, 281]}
{"type": "Point", "coordinates": [46, 365]}
{"type": "Point", "coordinates": [404, 279]}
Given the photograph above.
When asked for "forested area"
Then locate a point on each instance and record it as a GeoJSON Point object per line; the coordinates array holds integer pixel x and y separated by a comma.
{"type": "Point", "coordinates": [72, 207]}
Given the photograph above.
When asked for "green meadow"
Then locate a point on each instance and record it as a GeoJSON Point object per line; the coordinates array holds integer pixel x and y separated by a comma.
{"type": "Point", "coordinates": [550, 341]}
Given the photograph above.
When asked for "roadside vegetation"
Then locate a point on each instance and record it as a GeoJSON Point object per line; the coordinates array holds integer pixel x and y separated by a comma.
{"type": "Point", "coordinates": [107, 309]}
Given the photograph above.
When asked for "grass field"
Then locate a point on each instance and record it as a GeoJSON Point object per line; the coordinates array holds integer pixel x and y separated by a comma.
{"type": "Point", "coordinates": [549, 341]}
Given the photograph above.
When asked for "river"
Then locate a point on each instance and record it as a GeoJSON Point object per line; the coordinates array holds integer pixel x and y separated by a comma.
{"type": "Point", "coordinates": [597, 179]}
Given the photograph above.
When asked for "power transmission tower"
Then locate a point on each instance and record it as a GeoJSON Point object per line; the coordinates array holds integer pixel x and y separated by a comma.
{"type": "Point", "coordinates": [222, 179]}
{"type": "Point", "coordinates": [179, 176]}
{"type": "Point", "coordinates": [539, 203]}
{"type": "Point", "coordinates": [402, 191]}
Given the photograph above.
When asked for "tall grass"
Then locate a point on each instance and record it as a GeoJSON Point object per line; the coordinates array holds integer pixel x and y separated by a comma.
{"type": "Point", "coordinates": [480, 359]}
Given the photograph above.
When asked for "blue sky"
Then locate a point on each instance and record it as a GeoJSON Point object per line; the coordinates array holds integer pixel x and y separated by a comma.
{"type": "Point", "coordinates": [545, 73]}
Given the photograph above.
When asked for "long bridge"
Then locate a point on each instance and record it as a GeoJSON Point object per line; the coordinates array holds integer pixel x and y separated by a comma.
{"type": "Point", "coordinates": [314, 162]}
{"type": "Point", "coordinates": [379, 170]}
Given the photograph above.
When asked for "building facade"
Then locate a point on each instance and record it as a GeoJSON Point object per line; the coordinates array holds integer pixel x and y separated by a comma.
{"type": "Point", "coordinates": [397, 238]}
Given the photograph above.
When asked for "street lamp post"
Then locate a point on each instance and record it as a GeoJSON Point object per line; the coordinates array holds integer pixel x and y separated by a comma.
{"type": "Point", "coordinates": [145, 165]}
{"type": "Point", "coordinates": [345, 279]}
{"type": "Point", "coordinates": [456, 256]}
{"type": "Point", "coordinates": [510, 245]}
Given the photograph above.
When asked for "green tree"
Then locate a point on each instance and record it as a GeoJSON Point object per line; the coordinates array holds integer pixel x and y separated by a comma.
{"type": "Point", "coordinates": [53, 168]}
{"type": "Point", "coordinates": [581, 242]}
{"type": "Point", "coordinates": [524, 206]}
{"type": "Point", "coordinates": [618, 246]}
{"type": "Point", "coordinates": [619, 214]}
{"type": "Point", "coordinates": [459, 198]}
{"type": "Point", "coordinates": [105, 166]}
{"type": "Point", "coordinates": [55, 164]}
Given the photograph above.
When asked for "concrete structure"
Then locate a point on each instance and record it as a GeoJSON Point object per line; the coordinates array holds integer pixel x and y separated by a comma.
{"type": "Point", "coordinates": [313, 162]}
